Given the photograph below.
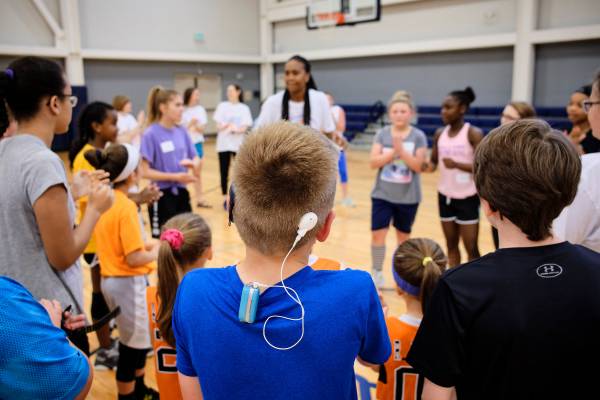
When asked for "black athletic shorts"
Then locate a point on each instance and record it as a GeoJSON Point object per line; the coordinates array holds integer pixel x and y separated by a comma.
{"type": "Point", "coordinates": [461, 211]}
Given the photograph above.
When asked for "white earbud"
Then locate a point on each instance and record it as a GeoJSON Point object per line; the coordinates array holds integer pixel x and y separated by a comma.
{"type": "Point", "coordinates": [307, 222]}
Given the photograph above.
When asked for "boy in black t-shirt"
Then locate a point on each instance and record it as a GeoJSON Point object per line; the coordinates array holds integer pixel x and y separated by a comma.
{"type": "Point", "coordinates": [523, 322]}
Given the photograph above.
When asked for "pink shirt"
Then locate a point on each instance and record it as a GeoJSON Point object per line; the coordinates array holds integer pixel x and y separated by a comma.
{"type": "Point", "coordinates": [455, 183]}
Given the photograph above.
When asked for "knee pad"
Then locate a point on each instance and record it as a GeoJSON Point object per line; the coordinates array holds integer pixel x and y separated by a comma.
{"type": "Point", "coordinates": [128, 360]}
{"type": "Point", "coordinates": [141, 358]}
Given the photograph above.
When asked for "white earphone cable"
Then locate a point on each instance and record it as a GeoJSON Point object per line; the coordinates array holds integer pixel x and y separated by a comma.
{"type": "Point", "coordinates": [295, 298]}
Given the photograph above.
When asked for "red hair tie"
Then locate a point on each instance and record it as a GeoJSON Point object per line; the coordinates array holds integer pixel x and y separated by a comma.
{"type": "Point", "coordinates": [174, 237]}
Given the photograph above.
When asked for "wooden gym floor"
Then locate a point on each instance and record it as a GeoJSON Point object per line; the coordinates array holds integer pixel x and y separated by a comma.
{"type": "Point", "coordinates": [349, 241]}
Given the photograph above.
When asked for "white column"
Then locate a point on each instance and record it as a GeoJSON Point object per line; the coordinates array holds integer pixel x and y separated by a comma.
{"type": "Point", "coordinates": [267, 72]}
{"type": "Point", "coordinates": [524, 51]}
{"type": "Point", "coordinates": [69, 12]}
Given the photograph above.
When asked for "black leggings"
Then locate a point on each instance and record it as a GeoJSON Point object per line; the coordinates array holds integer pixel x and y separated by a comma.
{"type": "Point", "coordinates": [224, 161]}
{"type": "Point", "coordinates": [169, 205]}
{"type": "Point", "coordinates": [99, 306]}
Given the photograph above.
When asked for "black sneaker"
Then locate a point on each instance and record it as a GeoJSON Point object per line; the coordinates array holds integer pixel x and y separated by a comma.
{"type": "Point", "coordinates": [106, 359]}
{"type": "Point", "coordinates": [149, 394]}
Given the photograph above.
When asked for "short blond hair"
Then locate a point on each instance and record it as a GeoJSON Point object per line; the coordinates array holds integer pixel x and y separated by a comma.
{"type": "Point", "coordinates": [401, 96]}
{"type": "Point", "coordinates": [281, 172]}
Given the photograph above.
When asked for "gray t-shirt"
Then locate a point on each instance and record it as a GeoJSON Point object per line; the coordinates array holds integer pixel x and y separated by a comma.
{"type": "Point", "coordinates": [396, 182]}
{"type": "Point", "coordinates": [27, 169]}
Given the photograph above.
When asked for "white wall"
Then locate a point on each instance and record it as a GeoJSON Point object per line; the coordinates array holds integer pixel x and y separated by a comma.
{"type": "Point", "coordinates": [420, 20]}
{"type": "Point", "coordinates": [562, 68]}
{"type": "Point", "coordinates": [229, 26]}
{"type": "Point", "coordinates": [568, 13]}
{"type": "Point", "coordinates": [429, 77]}
{"type": "Point", "coordinates": [22, 24]}
{"type": "Point", "coordinates": [144, 32]}
{"type": "Point", "coordinates": [105, 79]}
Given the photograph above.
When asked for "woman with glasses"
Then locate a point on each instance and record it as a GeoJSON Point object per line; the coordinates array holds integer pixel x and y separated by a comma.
{"type": "Point", "coordinates": [516, 110]}
{"type": "Point", "coordinates": [40, 246]}
{"type": "Point", "coordinates": [513, 111]}
{"type": "Point", "coordinates": [580, 222]}
{"type": "Point", "coordinates": [581, 134]}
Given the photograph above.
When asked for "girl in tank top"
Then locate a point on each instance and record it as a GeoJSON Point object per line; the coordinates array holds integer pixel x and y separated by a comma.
{"type": "Point", "coordinates": [454, 145]}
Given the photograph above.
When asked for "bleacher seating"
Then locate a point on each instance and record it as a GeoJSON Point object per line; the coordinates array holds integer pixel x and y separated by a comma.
{"type": "Point", "coordinates": [359, 116]}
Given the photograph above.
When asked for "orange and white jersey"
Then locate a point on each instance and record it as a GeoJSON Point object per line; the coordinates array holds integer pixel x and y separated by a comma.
{"type": "Point", "coordinates": [397, 379]}
{"type": "Point", "coordinates": [320, 263]}
{"type": "Point", "coordinates": [165, 355]}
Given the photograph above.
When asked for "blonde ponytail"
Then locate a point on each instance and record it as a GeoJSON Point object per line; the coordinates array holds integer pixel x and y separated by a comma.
{"type": "Point", "coordinates": [401, 96]}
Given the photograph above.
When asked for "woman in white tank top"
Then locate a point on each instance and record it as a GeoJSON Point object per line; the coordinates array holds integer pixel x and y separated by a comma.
{"type": "Point", "coordinates": [454, 145]}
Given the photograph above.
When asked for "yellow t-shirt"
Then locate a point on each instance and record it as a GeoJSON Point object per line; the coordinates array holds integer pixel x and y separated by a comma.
{"type": "Point", "coordinates": [81, 164]}
{"type": "Point", "coordinates": [164, 355]}
{"type": "Point", "coordinates": [118, 233]}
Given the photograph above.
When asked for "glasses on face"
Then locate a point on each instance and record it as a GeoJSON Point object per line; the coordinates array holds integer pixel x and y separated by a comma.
{"type": "Point", "coordinates": [509, 117]}
{"type": "Point", "coordinates": [587, 105]}
{"type": "Point", "coordinates": [72, 99]}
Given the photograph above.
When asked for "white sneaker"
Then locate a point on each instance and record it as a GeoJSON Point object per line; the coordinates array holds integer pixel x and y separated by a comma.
{"type": "Point", "coordinates": [378, 278]}
{"type": "Point", "coordinates": [347, 202]}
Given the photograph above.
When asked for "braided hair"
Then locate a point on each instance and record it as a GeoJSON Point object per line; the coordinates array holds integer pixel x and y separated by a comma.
{"type": "Point", "coordinates": [285, 107]}
{"type": "Point", "coordinates": [93, 112]}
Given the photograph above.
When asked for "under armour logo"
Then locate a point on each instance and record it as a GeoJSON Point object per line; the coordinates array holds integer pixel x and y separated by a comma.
{"type": "Point", "coordinates": [549, 270]}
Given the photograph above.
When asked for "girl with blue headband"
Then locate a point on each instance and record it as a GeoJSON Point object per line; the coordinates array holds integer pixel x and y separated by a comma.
{"type": "Point", "coordinates": [417, 266]}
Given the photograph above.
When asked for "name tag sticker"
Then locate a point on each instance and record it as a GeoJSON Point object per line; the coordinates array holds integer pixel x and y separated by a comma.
{"type": "Point", "coordinates": [463, 178]}
{"type": "Point", "coordinates": [167, 146]}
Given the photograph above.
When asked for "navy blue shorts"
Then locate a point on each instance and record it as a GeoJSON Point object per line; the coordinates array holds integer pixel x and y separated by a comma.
{"type": "Point", "coordinates": [382, 213]}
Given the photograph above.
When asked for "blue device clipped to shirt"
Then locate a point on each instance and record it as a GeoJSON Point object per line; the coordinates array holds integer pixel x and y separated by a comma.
{"type": "Point", "coordinates": [249, 303]}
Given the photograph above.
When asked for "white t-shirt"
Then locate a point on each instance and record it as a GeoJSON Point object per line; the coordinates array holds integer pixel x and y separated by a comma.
{"type": "Point", "coordinates": [335, 112]}
{"type": "Point", "coordinates": [199, 113]}
{"type": "Point", "coordinates": [579, 223]}
{"type": "Point", "coordinates": [126, 123]}
{"type": "Point", "coordinates": [320, 113]}
{"type": "Point", "coordinates": [237, 114]}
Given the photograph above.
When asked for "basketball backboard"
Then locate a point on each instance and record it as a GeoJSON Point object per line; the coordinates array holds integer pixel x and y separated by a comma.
{"type": "Point", "coordinates": [329, 13]}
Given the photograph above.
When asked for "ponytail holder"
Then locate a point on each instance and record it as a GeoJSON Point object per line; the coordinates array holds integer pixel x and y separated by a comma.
{"type": "Point", "coordinates": [427, 260]}
{"type": "Point", "coordinates": [10, 73]}
{"type": "Point", "coordinates": [174, 237]}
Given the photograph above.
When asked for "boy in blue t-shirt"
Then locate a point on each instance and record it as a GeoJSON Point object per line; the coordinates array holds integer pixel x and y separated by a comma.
{"type": "Point", "coordinates": [37, 361]}
{"type": "Point", "coordinates": [522, 322]}
{"type": "Point", "coordinates": [305, 337]}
